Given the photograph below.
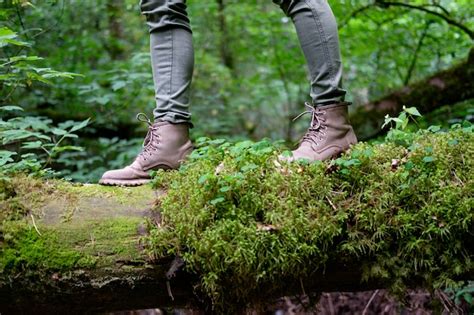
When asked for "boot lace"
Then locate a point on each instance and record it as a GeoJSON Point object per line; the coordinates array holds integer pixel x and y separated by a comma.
{"type": "Point", "coordinates": [151, 139]}
{"type": "Point", "coordinates": [315, 131]}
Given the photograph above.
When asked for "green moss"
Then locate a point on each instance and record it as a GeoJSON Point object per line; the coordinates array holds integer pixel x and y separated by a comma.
{"type": "Point", "coordinates": [24, 248]}
{"type": "Point", "coordinates": [55, 225]}
{"type": "Point", "coordinates": [108, 241]}
{"type": "Point", "coordinates": [123, 195]}
{"type": "Point", "coordinates": [243, 221]}
{"type": "Point", "coordinates": [68, 247]}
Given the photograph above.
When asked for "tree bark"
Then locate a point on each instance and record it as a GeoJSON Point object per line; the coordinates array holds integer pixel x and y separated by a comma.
{"type": "Point", "coordinates": [115, 27]}
{"type": "Point", "coordinates": [447, 87]}
{"type": "Point", "coordinates": [226, 53]}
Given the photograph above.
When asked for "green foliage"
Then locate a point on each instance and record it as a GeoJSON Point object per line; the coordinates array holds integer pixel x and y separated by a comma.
{"type": "Point", "coordinates": [266, 85]}
{"type": "Point", "coordinates": [33, 143]}
{"type": "Point", "coordinates": [20, 71]}
{"type": "Point", "coordinates": [100, 156]}
{"type": "Point", "coordinates": [243, 221]}
{"type": "Point", "coordinates": [29, 143]}
{"type": "Point", "coordinates": [463, 295]}
{"type": "Point", "coordinates": [24, 248]}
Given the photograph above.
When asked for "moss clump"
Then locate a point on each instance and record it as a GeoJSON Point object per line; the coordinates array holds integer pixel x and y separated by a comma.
{"type": "Point", "coordinates": [241, 220]}
{"type": "Point", "coordinates": [25, 249]}
{"type": "Point", "coordinates": [67, 247]}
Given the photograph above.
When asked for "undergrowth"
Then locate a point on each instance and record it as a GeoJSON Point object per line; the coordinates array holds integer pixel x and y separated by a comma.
{"type": "Point", "coordinates": [244, 221]}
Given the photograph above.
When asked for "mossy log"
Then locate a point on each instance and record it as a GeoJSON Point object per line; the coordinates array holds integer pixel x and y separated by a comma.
{"type": "Point", "coordinates": [446, 87]}
{"type": "Point", "coordinates": [248, 227]}
{"type": "Point", "coordinates": [80, 251]}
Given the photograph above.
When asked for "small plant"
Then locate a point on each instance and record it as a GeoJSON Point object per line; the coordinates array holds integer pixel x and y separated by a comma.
{"type": "Point", "coordinates": [28, 143]}
{"type": "Point", "coordinates": [32, 144]}
{"type": "Point", "coordinates": [400, 131]}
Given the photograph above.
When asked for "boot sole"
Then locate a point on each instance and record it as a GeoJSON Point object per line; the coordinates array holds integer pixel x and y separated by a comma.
{"type": "Point", "coordinates": [126, 183]}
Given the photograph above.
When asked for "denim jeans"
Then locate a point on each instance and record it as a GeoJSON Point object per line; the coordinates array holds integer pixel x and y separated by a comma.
{"type": "Point", "coordinates": [172, 52]}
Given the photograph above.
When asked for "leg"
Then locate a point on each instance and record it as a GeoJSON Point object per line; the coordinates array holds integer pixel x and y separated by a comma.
{"type": "Point", "coordinates": [330, 132]}
{"type": "Point", "coordinates": [172, 57]}
{"type": "Point", "coordinates": [317, 31]}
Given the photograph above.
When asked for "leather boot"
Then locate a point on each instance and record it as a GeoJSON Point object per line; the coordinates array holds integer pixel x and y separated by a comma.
{"type": "Point", "coordinates": [165, 147]}
{"type": "Point", "coordinates": [328, 136]}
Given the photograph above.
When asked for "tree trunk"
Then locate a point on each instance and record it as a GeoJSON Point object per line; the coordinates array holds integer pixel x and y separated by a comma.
{"type": "Point", "coordinates": [447, 87]}
{"type": "Point", "coordinates": [226, 53]}
{"type": "Point", "coordinates": [115, 17]}
{"type": "Point", "coordinates": [81, 250]}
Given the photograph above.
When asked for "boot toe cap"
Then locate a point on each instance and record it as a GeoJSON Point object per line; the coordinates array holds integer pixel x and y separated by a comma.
{"type": "Point", "coordinates": [124, 177]}
{"type": "Point", "coordinates": [114, 174]}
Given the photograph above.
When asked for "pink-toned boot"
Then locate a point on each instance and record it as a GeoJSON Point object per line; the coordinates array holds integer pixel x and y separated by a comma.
{"type": "Point", "coordinates": [165, 147]}
{"type": "Point", "coordinates": [329, 135]}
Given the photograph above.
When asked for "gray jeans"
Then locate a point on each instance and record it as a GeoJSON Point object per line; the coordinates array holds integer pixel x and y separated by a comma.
{"type": "Point", "coordinates": [172, 52]}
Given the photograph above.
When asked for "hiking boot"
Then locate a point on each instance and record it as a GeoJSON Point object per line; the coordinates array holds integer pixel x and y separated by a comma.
{"type": "Point", "coordinates": [328, 136]}
{"type": "Point", "coordinates": [165, 147]}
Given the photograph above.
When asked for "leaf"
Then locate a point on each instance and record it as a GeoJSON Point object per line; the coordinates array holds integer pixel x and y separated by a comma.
{"type": "Point", "coordinates": [5, 32]}
{"type": "Point", "coordinates": [71, 135]}
{"type": "Point", "coordinates": [117, 85]}
{"type": "Point", "coordinates": [217, 200]}
{"type": "Point", "coordinates": [32, 145]}
{"type": "Point", "coordinates": [5, 157]}
{"type": "Point", "coordinates": [10, 108]}
{"type": "Point", "coordinates": [203, 178]}
{"type": "Point", "coordinates": [80, 125]}
{"type": "Point", "coordinates": [249, 167]}
{"type": "Point", "coordinates": [217, 141]}
{"type": "Point", "coordinates": [453, 142]}
{"type": "Point", "coordinates": [389, 120]}
{"type": "Point", "coordinates": [67, 148]}
{"type": "Point", "coordinates": [59, 132]}
{"type": "Point", "coordinates": [7, 36]}
{"type": "Point", "coordinates": [434, 129]}
{"type": "Point", "coordinates": [468, 298]}
{"type": "Point", "coordinates": [225, 189]}
{"type": "Point", "coordinates": [16, 135]}
{"type": "Point", "coordinates": [412, 111]}
{"type": "Point", "coordinates": [428, 159]}
{"type": "Point", "coordinates": [25, 58]}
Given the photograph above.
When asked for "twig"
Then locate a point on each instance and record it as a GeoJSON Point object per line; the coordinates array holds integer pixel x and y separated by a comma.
{"type": "Point", "coordinates": [416, 53]}
{"type": "Point", "coordinates": [458, 179]}
{"type": "Point", "coordinates": [445, 17]}
{"type": "Point", "coordinates": [332, 311]}
{"type": "Point", "coordinates": [448, 305]}
{"type": "Point", "coordinates": [330, 202]}
{"type": "Point", "coordinates": [370, 302]}
{"type": "Point", "coordinates": [354, 14]}
{"type": "Point", "coordinates": [302, 287]}
{"type": "Point", "coordinates": [168, 287]}
{"type": "Point", "coordinates": [34, 224]}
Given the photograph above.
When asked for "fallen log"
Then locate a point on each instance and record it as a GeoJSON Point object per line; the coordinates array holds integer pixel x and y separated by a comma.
{"type": "Point", "coordinates": [384, 215]}
{"type": "Point", "coordinates": [79, 251]}
{"type": "Point", "coordinates": [446, 87]}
